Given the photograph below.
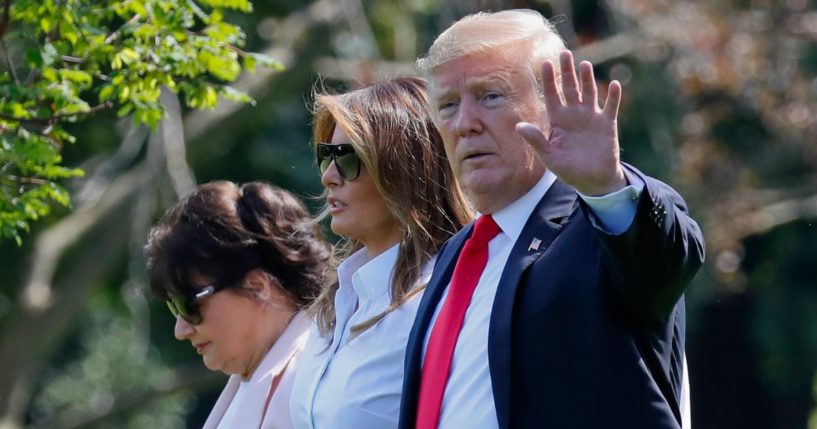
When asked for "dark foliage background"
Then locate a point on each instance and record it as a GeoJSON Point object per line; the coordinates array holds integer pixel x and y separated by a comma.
{"type": "Point", "coordinates": [720, 100]}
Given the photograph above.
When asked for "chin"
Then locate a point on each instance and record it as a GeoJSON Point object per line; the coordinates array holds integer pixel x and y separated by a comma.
{"type": "Point", "coordinates": [213, 365]}
{"type": "Point", "coordinates": [339, 227]}
{"type": "Point", "coordinates": [477, 187]}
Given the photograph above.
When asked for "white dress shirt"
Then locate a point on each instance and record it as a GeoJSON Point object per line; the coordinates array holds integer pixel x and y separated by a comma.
{"type": "Point", "coordinates": [241, 403]}
{"type": "Point", "coordinates": [468, 401]}
{"type": "Point", "coordinates": [357, 383]}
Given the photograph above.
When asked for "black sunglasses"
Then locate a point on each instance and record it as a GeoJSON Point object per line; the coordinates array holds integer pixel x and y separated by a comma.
{"type": "Point", "coordinates": [186, 305]}
{"type": "Point", "coordinates": [346, 160]}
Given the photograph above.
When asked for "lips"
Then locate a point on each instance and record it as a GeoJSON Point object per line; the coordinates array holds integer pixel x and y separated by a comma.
{"type": "Point", "coordinates": [475, 156]}
{"type": "Point", "coordinates": [200, 346]}
{"type": "Point", "coordinates": [471, 149]}
{"type": "Point", "coordinates": [335, 205]}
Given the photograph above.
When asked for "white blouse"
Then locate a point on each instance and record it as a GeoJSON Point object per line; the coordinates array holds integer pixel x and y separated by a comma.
{"type": "Point", "coordinates": [357, 383]}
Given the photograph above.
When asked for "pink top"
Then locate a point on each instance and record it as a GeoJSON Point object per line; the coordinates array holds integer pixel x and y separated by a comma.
{"type": "Point", "coordinates": [241, 403]}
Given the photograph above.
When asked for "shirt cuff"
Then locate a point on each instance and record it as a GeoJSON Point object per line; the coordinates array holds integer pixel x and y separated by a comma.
{"type": "Point", "coordinates": [616, 211]}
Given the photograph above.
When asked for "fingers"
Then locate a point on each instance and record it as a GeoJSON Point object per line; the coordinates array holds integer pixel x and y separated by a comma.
{"type": "Point", "coordinates": [613, 100]}
{"type": "Point", "coordinates": [549, 91]}
{"type": "Point", "coordinates": [587, 94]}
{"type": "Point", "coordinates": [589, 88]}
{"type": "Point", "coordinates": [570, 86]}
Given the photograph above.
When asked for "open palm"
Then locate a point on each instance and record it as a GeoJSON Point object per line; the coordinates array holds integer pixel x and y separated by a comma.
{"type": "Point", "coordinates": [581, 146]}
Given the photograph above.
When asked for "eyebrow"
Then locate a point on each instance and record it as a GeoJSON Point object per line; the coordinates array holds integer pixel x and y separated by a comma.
{"type": "Point", "coordinates": [499, 78]}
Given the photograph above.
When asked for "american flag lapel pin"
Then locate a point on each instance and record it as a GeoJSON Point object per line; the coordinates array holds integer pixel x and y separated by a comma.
{"type": "Point", "coordinates": [534, 245]}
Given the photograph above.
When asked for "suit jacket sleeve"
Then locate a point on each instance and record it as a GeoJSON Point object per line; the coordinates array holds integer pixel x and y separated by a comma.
{"type": "Point", "coordinates": [653, 261]}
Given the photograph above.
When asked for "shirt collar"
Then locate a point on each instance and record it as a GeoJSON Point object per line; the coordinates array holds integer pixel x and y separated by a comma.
{"type": "Point", "coordinates": [512, 218]}
{"type": "Point", "coordinates": [291, 341]}
{"type": "Point", "coordinates": [369, 277]}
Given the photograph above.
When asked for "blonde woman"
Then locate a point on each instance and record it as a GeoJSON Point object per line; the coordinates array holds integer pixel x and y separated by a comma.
{"type": "Point", "coordinates": [391, 194]}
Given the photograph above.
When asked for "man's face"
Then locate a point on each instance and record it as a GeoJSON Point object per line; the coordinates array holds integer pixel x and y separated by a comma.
{"type": "Point", "coordinates": [478, 100]}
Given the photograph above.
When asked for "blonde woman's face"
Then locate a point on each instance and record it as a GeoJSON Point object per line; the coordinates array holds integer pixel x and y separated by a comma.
{"type": "Point", "coordinates": [357, 209]}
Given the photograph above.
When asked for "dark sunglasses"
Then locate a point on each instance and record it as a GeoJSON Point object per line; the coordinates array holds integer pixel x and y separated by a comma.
{"type": "Point", "coordinates": [346, 160]}
{"type": "Point", "coordinates": [186, 305]}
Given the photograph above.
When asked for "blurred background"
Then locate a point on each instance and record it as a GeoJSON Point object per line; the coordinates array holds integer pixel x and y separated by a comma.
{"type": "Point", "coordinates": [720, 100]}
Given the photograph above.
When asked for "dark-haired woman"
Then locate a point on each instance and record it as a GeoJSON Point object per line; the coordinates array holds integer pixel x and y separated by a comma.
{"type": "Point", "coordinates": [236, 266]}
{"type": "Point", "coordinates": [391, 194]}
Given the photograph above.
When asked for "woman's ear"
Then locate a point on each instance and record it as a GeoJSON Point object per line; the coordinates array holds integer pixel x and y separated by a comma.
{"type": "Point", "coordinates": [267, 289]}
{"type": "Point", "coordinates": [260, 284]}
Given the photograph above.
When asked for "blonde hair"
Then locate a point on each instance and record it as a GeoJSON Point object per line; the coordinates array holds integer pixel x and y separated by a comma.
{"type": "Point", "coordinates": [390, 127]}
{"type": "Point", "coordinates": [491, 32]}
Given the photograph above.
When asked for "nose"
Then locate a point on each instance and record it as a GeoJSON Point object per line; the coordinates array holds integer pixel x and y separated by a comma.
{"type": "Point", "coordinates": [183, 330]}
{"type": "Point", "coordinates": [467, 120]}
{"type": "Point", "coordinates": [331, 178]}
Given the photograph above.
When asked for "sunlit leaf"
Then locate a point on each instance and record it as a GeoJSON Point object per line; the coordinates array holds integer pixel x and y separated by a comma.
{"type": "Point", "coordinates": [233, 94]}
{"type": "Point", "coordinates": [266, 61]}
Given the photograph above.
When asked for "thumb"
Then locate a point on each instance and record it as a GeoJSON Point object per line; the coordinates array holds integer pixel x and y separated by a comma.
{"type": "Point", "coordinates": [533, 135]}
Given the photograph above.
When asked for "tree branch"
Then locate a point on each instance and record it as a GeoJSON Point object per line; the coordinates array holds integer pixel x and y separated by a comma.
{"type": "Point", "coordinates": [611, 48]}
{"type": "Point", "coordinates": [115, 35]}
{"type": "Point", "coordinates": [185, 379]}
{"type": "Point", "coordinates": [48, 305]}
{"type": "Point", "coordinates": [172, 133]}
{"type": "Point", "coordinates": [563, 9]}
{"type": "Point", "coordinates": [355, 16]}
{"type": "Point", "coordinates": [100, 173]}
{"type": "Point", "coordinates": [26, 180]}
{"type": "Point", "coordinates": [70, 59]}
{"type": "Point", "coordinates": [759, 220]}
{"type": "Point", "coordinates": [5, 20]}
{"type": "Point", "coordinates": [37, 324]}
{"type": "Point", "coordinates": [58, 116]}
{"type": "Point", "coordinates": [10, 64]}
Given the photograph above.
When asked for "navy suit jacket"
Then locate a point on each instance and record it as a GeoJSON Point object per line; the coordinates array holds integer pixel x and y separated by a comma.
{"type": "Point", "coordinates": [587, 331]}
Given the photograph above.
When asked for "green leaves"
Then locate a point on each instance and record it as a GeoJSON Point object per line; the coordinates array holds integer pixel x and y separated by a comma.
{"type": "Point", "coordinates": [240, 5]}
{"type": "Point", "coordinates": [30, 165]}
{"type": "Point", "coordinates": [124, 57]}
{"type": "Point", "coordinates": [224, 67]}
{"type": "Point", "coordinates": [251, 59]}
{"type": "Point", "coordinates": [83, 56]}
{"type": "Point", "coordinates": [82, 79]}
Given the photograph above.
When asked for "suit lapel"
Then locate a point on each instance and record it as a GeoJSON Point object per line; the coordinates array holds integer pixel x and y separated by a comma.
{"type": "Point", "coordinates": [443, 270]}
{"type": "Point", "coordinates": [544, 224]}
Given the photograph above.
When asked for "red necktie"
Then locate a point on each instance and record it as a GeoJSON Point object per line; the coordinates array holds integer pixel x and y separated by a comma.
{"type": "Point", "coordinates": [441, 344]}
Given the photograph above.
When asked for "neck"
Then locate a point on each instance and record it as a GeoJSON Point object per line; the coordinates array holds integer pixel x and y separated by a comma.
{"type": "Point", "coordinates": [375, 248]}
{"type": "Point", "coordinates": [256, 359]}
{"type": "Point", "coordinates": [490, 203]}
{"type": "Point", "coordinates": [273, 334]}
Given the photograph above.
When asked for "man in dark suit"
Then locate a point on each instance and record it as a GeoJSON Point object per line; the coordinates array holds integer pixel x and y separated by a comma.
{"type": "Point", "coordinates": [565, 310]}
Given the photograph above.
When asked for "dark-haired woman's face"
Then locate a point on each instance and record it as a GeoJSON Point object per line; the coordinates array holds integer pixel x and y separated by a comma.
{"type": "Point", "coordinates": [358, 210]}
{"type": "Point", "coordinates": [236, 331]}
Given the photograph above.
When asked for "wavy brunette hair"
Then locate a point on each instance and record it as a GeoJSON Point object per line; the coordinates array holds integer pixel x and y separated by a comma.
{"type": "Point", "coordinates": [223, 231]}
{"type": "Point", "coordinates": [390, 127]}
